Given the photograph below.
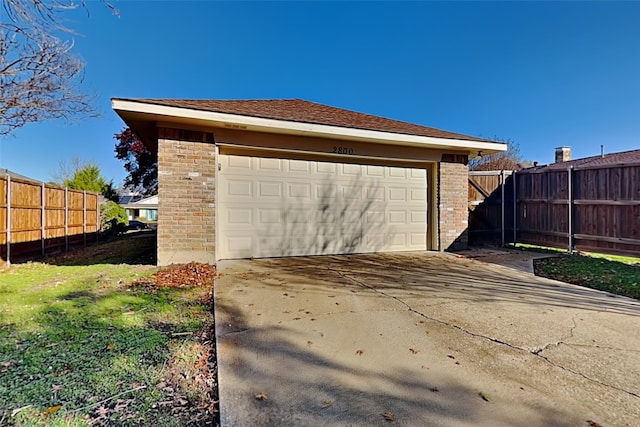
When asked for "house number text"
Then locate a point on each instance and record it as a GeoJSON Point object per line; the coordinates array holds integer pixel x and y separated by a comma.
{"type": "Point", "coordinates": [343, 150]}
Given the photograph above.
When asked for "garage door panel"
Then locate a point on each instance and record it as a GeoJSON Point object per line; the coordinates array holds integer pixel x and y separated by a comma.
{"type": "Point", "coordinates": [238, 162]}
{"type": "Point", "coordinates": [417, 240]}
{"type": "Point", "coordinates": [326, 168]}
{"type": "Point", "coordinates": [279, 207]}
{"type": "Point", "coordinates": [397, 217]}
{"type": "Point", "coordinates": [240, 245]}
{"type": "Point", "coordinates": [268, 164]}
{"type": "Point", "coordinates": [351, 169]}
{"type": "Point", "coordinates": [374, 171]}
{"type": "Point", "coordinates": [269, 216]}
{"type": "Point", "coordinates": [418, 217]}
{"type": "Point", "coordinates": [324, 191]}
{"type": "Point", "coordinates": [240, 216]}
{"type": "Point", "coordinates": [239, 188]}
{"type": "Point", "coordinates": [375, 193]}
{"type": "Point", "coordinates": [418, 194]}
{"type": "Point", "coordinates": [270, 189]}
{"type": "Point", "coordinates": [299, 190]}
{"type": "Point", "coordinates": [299, 166]}
{"type": "Point", "coordinates": [397, 194]}
{"type": "Point", "coordinates": [397, 240]}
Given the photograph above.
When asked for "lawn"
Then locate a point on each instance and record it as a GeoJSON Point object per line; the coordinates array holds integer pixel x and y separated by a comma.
{"type": "Point", "coordinates": [617, 275]}
{"type": "Point", "coordinates": [96, 338]}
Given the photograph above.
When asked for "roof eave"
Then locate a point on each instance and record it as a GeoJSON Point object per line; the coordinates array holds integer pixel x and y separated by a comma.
{"type": "Point", "coordinates": [156, 113]}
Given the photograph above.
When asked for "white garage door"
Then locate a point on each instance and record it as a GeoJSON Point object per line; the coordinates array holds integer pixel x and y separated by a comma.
{"type": "Point", "coordinates": [271, 207]}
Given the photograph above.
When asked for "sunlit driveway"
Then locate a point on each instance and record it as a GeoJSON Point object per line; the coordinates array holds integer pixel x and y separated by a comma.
{"type": "Point", "coordinates": [420, 339]}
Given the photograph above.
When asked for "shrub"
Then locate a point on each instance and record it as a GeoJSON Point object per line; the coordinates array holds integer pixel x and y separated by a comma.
{"type": "Point", "coordinates": [113, 219]}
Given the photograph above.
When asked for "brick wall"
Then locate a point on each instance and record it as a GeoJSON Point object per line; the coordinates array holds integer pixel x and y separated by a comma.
{"type": "Point", "coordinates": [186, 202]}
{"type": "Point", "coordinates": [453, 218]}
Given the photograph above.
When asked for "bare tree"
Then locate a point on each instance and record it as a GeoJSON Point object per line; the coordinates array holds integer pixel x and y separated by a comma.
{"type": "Point", "coordinates": [504, 160]}
{"type": "Point", "coordinates": [39, 76]}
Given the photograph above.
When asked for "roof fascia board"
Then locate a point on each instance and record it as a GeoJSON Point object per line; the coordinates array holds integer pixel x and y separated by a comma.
{"type": "Point", "coordinates": [240, 122]}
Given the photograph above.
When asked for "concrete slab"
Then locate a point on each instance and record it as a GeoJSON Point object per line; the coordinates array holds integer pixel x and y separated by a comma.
{"type": "Point", "coordinates": [420, 339]}
{"type": "Point", "coordinates": [513, 258]}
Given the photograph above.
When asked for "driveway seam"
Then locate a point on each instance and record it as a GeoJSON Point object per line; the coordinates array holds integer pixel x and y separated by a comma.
{"type": "Point", "coordinates": [495, 340]}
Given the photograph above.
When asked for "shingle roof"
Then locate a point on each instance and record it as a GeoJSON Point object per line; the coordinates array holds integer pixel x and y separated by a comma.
{"type": "Point", "coordinates": [632, 156]}
{"type": "Point", "coordinates": [14, 175]}
{"type": "Point", "coordinates": [298, 110]}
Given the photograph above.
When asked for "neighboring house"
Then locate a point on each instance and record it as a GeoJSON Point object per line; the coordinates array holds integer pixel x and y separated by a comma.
{"type": "Point", "coordinates": [146, 209]}
{"type": "Point", "coordinates": [563, 159]}
{"type": "Point", "coordinates": [269, 178]}
{"type": "Point", "coordinates": [6, 172]}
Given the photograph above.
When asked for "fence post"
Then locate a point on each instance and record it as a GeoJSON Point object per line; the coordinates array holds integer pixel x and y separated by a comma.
{"type": "Point", "coordinates": [66, 219]}
{"type": "Point", "coordinates": [84, 217]}
{"type": "Point", "coordinates": [8, 219]}
{"type": "Point", "coordinates": [502, 205]}
{"type": "Point", "coordinates": [43, 216]}
{"type": "Point", "coordinates": [98, 221]}
{"type": "Point", "coordinates": [570, 206]}
{"type": "Point", "coordinates": [515, 214]}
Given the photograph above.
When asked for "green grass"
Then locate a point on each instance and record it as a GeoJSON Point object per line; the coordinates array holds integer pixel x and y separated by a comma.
{"type": "Point", "coordinates": [74, 334]}
{"type": "Point", "coordinates": [621, 277]}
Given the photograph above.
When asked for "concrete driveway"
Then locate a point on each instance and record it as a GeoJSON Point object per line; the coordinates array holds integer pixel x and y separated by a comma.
{"type": "Point", "coordinates": [420, 339]}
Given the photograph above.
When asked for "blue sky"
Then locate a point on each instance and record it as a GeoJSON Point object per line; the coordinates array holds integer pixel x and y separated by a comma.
{"type": "Point", "coordinates": [541, 74]}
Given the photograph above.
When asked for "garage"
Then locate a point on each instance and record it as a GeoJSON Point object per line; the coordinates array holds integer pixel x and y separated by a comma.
{"type": "Point", "coordinates": [272, 207]}
{"type": "Point", "coordinates": [263, 178]}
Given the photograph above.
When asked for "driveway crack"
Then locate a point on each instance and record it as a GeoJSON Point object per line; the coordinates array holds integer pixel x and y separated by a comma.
{"type": "Point", "coordinates": [536, 352]}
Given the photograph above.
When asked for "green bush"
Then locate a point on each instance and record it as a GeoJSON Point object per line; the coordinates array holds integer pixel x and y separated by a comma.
{"type": "Point", "coordinates": [113, 219]}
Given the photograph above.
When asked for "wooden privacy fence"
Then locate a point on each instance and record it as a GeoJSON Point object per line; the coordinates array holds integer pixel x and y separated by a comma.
{"type": "Point", "coordinates": [38, 219]}
{"type": "Point", "coordinates": [593, 209]}
{"type": "Point", "coordinates": [491, 207]}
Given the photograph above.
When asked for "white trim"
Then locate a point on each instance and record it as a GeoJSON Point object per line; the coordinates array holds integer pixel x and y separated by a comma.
{"type": "Point", "coordinates": [258, 124]}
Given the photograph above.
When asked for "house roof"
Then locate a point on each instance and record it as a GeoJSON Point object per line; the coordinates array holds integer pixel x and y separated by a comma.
{"type": "Point", "coordinates": [632, 156]}
{"type": "Point", "coordinates": [292, 116]}
{"type": "Point", "coordinates": [14, 175]}
{"type": "Point", "coordinates": [299, 110]}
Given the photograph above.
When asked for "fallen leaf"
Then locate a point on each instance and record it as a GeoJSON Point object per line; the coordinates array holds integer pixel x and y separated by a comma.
{"type": "Point", "coordinates": [326, 403]}
{"type": "Point", "coordinates": [51, 409]}
{"type": "Point", "coordinates": [110, 346]}
{"type": "Point", "coordinates": [261, 396]}
{"type": "Point", "coordinates": [389, 416]}
{"type": "Point", "coordinates": [483, 396]}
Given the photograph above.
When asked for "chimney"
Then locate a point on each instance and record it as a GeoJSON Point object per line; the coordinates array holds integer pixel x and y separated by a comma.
{"type": "Point", "coordinates": [563, 154]}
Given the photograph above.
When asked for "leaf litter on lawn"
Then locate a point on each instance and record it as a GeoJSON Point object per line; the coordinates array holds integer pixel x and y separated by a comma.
{"type": "Point", "coordinates": [131, 375]}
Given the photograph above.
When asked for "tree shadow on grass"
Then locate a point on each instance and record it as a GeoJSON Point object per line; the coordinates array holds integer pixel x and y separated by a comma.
{"type": "Point", "coordinates": [84, 347]}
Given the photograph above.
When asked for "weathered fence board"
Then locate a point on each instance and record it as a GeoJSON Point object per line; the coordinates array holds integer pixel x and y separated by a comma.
{"type": "Point", "coordinates": [586, 208]}
{"type": "Point", "coordinates": [38, 219]}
